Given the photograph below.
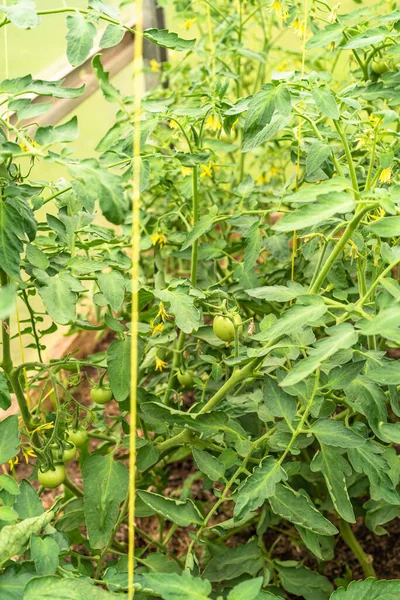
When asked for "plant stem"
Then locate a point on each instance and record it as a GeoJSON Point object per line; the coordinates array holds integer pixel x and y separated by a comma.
{"type": "Point", "coordinates": [351, 227]}
{"type": "Point", "coordinates": [351, 541]}
{"type": "Point", "coordinates": [72, 488]}
{"type": "Point", "coordinates": [349, 158]}
{"type": "Point", "coordinates": [195, 216]}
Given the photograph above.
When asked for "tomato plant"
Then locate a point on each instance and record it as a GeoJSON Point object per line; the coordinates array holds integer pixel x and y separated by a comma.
{"type": "Point", "coordinates": [261, 321]}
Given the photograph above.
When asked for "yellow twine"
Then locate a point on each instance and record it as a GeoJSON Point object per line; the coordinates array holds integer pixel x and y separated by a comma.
{"type": "Point", "coordinates": [138, 84]}
{"type": "Point", "coordinates": [303, 62]}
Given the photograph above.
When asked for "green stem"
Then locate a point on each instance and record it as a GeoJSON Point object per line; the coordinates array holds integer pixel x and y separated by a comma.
{"type": "Point", "coordinates": [72, 488]}
{"type": "Point", "coordinates": [351, 541]}
{"type": "Point", "coordinates": [195, 209]}
{"type": "Point", "coordinates": [34, 331]}
{"type": "Point", "coordinates": [175, 366]}
{"type": "Point", "coordinates": [349, 158]}
{"type": "Point", "coordinates": [351, 227]}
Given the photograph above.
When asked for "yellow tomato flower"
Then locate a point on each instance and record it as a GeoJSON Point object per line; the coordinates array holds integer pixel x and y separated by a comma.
{"type": "Point", "coordinates": [206, 171]}
{"type": "Point", "coordinates": [186, 171]}
{"type": "Point", "coordinates": [160, 364]}
{"type": "Point", "coordinates": [386, 175]}
{"type": "Point", "coordinates": [27, 452]}
{"type": "Point", "coordinates": [13, 462]}
{"type": "Point", "coordinates": [156, 328]}
{"type": "Point", "coordinates": [155, 66]}
{"type": "Point", "coordinates": [300, 27]}
{"type": "Point", "coordinates": [276, 6]}
{"type": "Point", "coordinates": [159, 239]}
{"type": "Point", "coordinates": [44, 427]}
{"type": "Point", "coordinates": [189, 23]}
{"type": "Point", "coordinates": [213, 123]}
{"type": "Point", "coordinates": [173, 125]}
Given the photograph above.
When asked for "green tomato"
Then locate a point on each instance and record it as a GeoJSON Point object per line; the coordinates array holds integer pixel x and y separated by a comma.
{"type": "Point", "coordinates": [380, 66]}
{"type": "Point", "coordinates": [224, 328]}
{"type": "Point", "coordinates": [77, 436]}
{"type": "Point", "coordinates": [185, 378]}
{"type": "Point", "coordinates": [101, 395]}
{"type": "Point", "coordinates": [52, 478]}
{"type": "Point", "coordinates": [64, 455]}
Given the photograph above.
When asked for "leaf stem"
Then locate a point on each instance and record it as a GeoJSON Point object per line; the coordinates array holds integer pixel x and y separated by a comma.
{"type": "Point", "coordinates": [351, 541]}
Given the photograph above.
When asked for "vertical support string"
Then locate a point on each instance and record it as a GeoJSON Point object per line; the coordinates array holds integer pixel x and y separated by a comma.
{"type": "Point", "coordinates": [138, 85]}
{"type": "Point", "coordinates": [303, 62]}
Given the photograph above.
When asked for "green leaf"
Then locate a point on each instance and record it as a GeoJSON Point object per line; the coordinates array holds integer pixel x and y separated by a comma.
{"type": "Point", "coordinates": [171, 586]}
{"type": "Point", "coordinates": [112, 286]}
{"type": "Point", "coordinates": [386, 227]}
{"type": "Point", "coordinates": [208, 464]}
{"type": "Point", "coordinates": [299, 580]}
{"type": "Point", "coordinates": [183, 513]}
{"type": "Point", "coordinates": [12, 583]}
{"type": "Point", "coordinates": [203, 225]}
{"type": "Point", "coordinates": [342, 376]}
{"type": "Point", "coordinates": [368, 459]}
{"type": "Point", "coordinates": [335, 433]}
{"type": "Point", "coordinates": [5, 398]}
{"type": "Point", "coordinates": [44, 553]}
{"type": "Point", "coordinates": [294, 318]}
{"type": "Point", "coordinates": [339, 337]}
{"type": "Point", "coordinates": [309, 215]}
{"type": "Point", "coordinates": [9, 438]}
{"type": "Point", "coordinates": [80, 36]}
{"type": "Point", "coordinates": [8, 514]}
{"type": "Point", "coordinates": [26, 109]}
{"type": "Point", "coordinates": [103, 8]}
{"type": "Point", "coordinates": [258, 486]}
{"type": "Point", "coordinates": [331, 34]}
{"type": "Point", "coordinates": [298, 508]}
{"type": "Point", "coordinates": [12, 231]}
{"type": "Point", "coordinates": [369, 589]}
{"type": "Point", "coordinates": [110, 92]}
{"type": "Point", "coordinates": [277, 401]}
{"type": "Point", "coordinates": [277, 123]}
{"type": "Point", "coordinates": [105, 483]}
{"type": "Point", "coordinates": [246, 590]}
{"type": "Point", "coordinates": [14, 538]}
{"type": "Point", "coordinates": [335, 468]}
{"type": "Point", "coordinates": [112, 36]}
{"type": "Point", "coordinates": [52, 587]}
{"type": "Point", "coordinates": [310, 193]}
{"type": "Point", "coordinates": [368, 399]}
{"type": "Point", "coordinates": [231, 563]}
{"type": "Point", "coordinates": [386, 324]}
{"type": "Point", "coordinates": [59, 299]}
{"type": "Point", "coordinates": [119, 368]}
{"type": "Point", "coordinates": [37, 257]}
{"type": "Point", "coordinates": [9, 484]}
{"type": "Point", "coordinates": [168, 39]}
{"type": "Point", "coordinates": [274, 293]}
{"type": "Point", "coordinates": [187, 315]}
{"type": "Point", "coordinates": [22, 14]}
{"type": "Point", "coordinates": [252, 246]}
{"type": "Point", "coordinates": [28, 504]}
{"type": "Point", "coordinates": [318, 154]}
{"type": "Point", "coordinates": [366, 38]}
{"type": "Point", "coordinates": [325, 101]}
{"type": "Point", "coordinates": [260, 111]}
{"type": "Point", "coordinates": [100, 184]}
{"type": "Point", "coordinates": [67, 132]}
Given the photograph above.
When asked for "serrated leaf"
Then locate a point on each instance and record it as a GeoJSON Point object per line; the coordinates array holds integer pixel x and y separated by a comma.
{"type": "Point", "coordinates": [112, 285]}
{"type": "Point", "coordinates": [9, 438]}
{"type": "Point", "coordinates": [208, 464]}
{"type": "Point", "coordinates": [109, 91]}
{"type": "Point", "coordinates": [5, 398]}
{"type": "Point", "coordinates": [335, 433]}
{"type": "Point", "coordinates": [317, 155]}
{"type": "Point", "coordinates": [246, 590]}
{"type": "Point", "coordinates": [22, 14]}
{"type": "Point", "coordinates": [369, 589]}
{"type": "Point", "coordinates": [105, 483]}
{"type": "Point", "coordinates": [80, 37]}
{"type": "Point", "coordinates": [28, 504]}
{"type": "Point", "coordinates": [334, 468]}
{"type": "Point", "coordinates": [342, 376]}
{"type": "Point", "coordinates": [183, 513]}
{"type": "Point", "coordinates": [14, 538]}
{"type": "Point", "coordinates": [51, 587]}
{"type": "Point", "coordinates": [273, 293]}
{"type": "Point", "coordinates": [44, 553]}
{"type": "Point", "coordinates": [299, 580]}
{"type": "Point", "coordinates": [112, 36]}
{"type": "Point", "coordinates": [119, 368]}
{"type": "Point", "coordinates": [298, 508]}
{"type": "Point", "coordinates": [312, 214]}
{"type": "Point", "coordinates": [59, 299]}
{"type": "Point", "coordinates": [232, 563]}
{"type": "Point", "coordinates": [203, 225]}
{"type": "Point", "coordinates": [168, 39]}
{"type": "Point", "coordinates": [182, 306]}
{"type": "Point", "coordinates": [325, 101]}
{"type": "Point", "coordinates": [277, 401]}
{"type": "Point", "coordinates": [368, 399]}
{"type": "Point", "coordinates": [339, 337]}
{"type": "Point", "coordinates": [173, 586]}
{"type": "Point", "coordinates": [258, 486]}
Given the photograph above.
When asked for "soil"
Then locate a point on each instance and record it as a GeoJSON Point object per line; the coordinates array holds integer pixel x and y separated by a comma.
{"type": "Point", "coordinates": [383, 550]}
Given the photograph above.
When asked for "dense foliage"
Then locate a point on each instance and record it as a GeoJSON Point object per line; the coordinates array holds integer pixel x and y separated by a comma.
{"type": "Point", "coordinates": [269, 308]}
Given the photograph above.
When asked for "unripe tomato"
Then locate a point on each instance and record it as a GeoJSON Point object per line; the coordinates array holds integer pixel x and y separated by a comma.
{"type": "Point", "coordinates": [224, 328]}
{"type": "Point", "coordinates": [77, 436]}
{"type": "Point", "coordinates": [185, 378]}
{"type": "Point", "coordinates": [380, 66]}
{"type": "Point", "coordinates": [64, 455]}
{"type": "Point", "coordinates": [52, 478]}
{"type": "Point", "coordinates": [101, 395]}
